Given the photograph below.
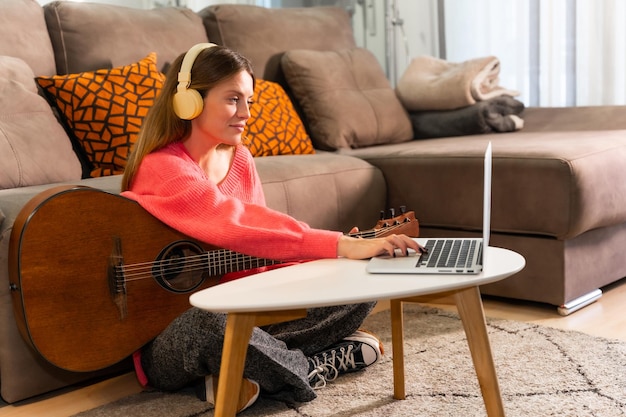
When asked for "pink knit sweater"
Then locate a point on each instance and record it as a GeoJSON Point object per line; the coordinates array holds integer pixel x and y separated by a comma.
{"type": "Point", "coordinates": [171, 186]}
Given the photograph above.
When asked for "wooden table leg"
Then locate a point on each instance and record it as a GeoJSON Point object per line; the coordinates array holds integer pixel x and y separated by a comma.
{"type": "Point", "coordinates": [236, 338]}
{"type": "Point", "coordinates": [471, 311]}
{"type": "Point", "coordinates": [397, 343]}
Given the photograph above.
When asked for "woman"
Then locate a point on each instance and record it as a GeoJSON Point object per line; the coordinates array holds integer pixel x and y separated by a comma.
{"type": "Point", "coordinates": [190, 170]}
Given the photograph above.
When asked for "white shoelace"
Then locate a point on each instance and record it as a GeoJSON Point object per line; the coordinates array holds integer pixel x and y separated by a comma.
{"type": "Point", "coordinates": [328, 369]}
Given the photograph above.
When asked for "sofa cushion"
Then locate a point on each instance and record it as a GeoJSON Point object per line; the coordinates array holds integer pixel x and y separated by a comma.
{"type": "Point", "coordinates": [91, 36]}
{"type": "Point", "coordinates": [104, 109]}
{"type": "Point", "coordinates": [25, 19]}
{"type": "Point", "coordinates": [34, 148]}
{"type": "Point", "coordinates": [562, 119]}
{"type": "Point", "coordinates": [274, 127]}
{"type": "Point", "coordinates": [263, 34]}
{"type": "Point", "coordinates": [353, 191]}
{"type": "Point", "coordinates": [346, 98]}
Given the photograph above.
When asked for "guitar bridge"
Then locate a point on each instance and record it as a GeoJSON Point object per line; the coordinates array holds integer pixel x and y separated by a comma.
{"type": "Point", "coordinates": [117, 279]}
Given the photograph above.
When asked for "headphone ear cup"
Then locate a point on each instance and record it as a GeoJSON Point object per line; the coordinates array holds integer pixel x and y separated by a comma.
{"type": "Point", "coordinates": [188, 104]}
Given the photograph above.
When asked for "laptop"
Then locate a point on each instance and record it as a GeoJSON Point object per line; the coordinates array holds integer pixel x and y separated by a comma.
{"type": "Point", "coordinates": [445, 255]}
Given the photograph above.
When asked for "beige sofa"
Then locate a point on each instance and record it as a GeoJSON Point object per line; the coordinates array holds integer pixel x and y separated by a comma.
{"type": "Point", "coordinates": [558, 189]}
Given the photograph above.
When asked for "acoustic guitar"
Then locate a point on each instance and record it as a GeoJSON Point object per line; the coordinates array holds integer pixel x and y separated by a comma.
{"type": "Point", "coordinates": [94, 276]}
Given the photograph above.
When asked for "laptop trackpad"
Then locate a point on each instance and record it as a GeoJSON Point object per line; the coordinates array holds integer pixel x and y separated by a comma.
{"type": "Point", "coordinates": [397, 264]}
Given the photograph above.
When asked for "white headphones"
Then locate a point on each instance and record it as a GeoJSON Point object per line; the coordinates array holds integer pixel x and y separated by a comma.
{"type": "Point", "coordinates": [187, 101]}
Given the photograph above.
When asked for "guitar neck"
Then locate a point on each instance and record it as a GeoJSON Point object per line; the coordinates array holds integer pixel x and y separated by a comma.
{"type": "Point", "coordinates": [223, 261]}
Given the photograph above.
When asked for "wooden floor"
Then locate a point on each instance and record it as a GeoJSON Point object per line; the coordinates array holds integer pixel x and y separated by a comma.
{"type": "Point", "coordinates": [604, 318]}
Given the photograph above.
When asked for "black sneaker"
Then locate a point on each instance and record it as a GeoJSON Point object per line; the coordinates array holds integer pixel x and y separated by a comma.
{"type": "Point", "coordinates": [357, 351]}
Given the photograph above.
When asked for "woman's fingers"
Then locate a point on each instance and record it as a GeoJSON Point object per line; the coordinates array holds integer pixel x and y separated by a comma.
{"type": "Point", "coordinates": [393, 245]}
{"type": "Point", "coordinates": [366, 248]}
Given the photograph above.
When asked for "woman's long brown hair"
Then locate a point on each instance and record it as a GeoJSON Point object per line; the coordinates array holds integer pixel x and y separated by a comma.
{"type": "Point", "coordinates": [162, 126]}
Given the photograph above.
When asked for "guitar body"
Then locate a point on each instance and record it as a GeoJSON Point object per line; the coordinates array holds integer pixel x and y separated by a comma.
{"type": "Point", "coordinates": [61, 250]}
{"type": "Point", "coordinates": [94, 276]}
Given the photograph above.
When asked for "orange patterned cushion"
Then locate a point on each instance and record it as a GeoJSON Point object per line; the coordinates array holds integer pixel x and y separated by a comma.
{"type": "Point", "coordinates": [274, 127]}
{"type": "Point", "coordinates": [104, 109]}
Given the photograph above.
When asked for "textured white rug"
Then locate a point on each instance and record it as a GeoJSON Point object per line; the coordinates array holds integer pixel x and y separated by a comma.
{"type": "Point", "coordinates": [542, 372]}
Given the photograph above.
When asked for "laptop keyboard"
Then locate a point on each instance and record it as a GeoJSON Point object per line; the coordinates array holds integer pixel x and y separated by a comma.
{"type": "Point", "coordinates": [448, 253]}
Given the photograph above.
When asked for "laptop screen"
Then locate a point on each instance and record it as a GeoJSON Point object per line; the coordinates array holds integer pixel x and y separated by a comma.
{"type": "Point", "coordinates": [487, 198]}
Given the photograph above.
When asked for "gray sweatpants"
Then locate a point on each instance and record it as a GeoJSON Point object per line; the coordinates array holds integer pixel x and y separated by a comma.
{"type": "Point", "coordinates": [191, 348]}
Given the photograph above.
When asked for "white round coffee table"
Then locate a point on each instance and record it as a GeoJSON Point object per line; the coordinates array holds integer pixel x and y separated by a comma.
{"type": "Point", "coordinates": [285, 294]}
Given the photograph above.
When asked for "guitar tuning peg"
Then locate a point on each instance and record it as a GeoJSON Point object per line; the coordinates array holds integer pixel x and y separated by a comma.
{"type": "Point", "coordinates": [403, 209]}
{"type": "Point", "coordinates": [392, 212]}
{"type": "Point", "coordinates": [382, 215]}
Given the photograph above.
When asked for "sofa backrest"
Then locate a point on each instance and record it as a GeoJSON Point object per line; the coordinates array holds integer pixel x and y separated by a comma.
{"type": "Point", "coordinates": [24, 35]}
{"type": "Point", "coordinates": [263, 35]}
{"type": "Point", "coordinates": [91, 36]}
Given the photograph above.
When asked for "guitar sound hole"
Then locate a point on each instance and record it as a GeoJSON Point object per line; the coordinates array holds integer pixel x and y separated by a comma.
{"type": "Point", "coordinates": [181, 267]}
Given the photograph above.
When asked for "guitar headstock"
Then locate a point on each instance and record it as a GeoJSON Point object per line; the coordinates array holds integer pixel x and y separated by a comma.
{"type": "Point", "coordinates": [404, 223]}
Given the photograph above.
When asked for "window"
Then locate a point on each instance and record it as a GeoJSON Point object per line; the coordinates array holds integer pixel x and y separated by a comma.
{"type": "Point", "coordinates": [556, 53]}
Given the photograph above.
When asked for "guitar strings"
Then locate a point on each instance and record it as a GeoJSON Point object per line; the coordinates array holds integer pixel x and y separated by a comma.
{"type": "Point", "coordinates": [220, 259]}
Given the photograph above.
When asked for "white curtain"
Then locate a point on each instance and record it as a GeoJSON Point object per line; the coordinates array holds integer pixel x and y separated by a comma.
{"type": "Point", "coordinates": [555, 52]}
{"type": "Point", "coordinates": [601, 63]}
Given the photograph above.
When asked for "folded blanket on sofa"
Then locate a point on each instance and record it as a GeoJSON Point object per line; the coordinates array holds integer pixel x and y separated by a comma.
{"type": "Point", "coordinates": [499, 114]}
{"type": "Point", "coordinates": [431, 83]}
